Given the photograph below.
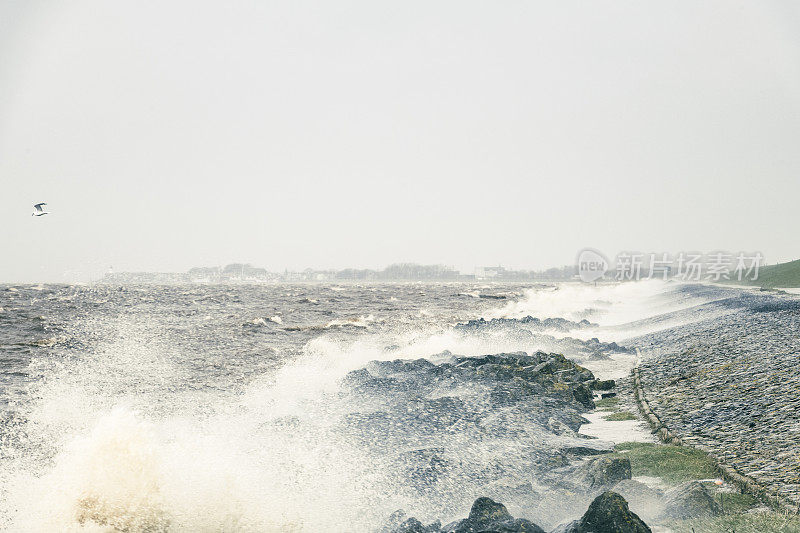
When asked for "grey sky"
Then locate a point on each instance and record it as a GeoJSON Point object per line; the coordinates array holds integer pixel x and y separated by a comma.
{"type": "Point", "coordinates": [165, 135]}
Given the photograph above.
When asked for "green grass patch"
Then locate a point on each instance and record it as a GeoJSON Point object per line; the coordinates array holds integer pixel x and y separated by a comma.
{"type": "Point", "coordinates": [607, 403]}
{"type": "Point", "coordinates": [620, 416]}
{"type": "Point", "coordinates": [772, 276]}
{"type": "Point", "coordinates": [676, 464]}
{"type": "Point", "coordinates": [673, 464]}
{"type": "Point", "coordinates": [734, 502]}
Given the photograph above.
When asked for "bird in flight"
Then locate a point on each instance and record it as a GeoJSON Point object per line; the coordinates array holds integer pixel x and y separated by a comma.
{"type": "Point", "coordinates": [38, 211]}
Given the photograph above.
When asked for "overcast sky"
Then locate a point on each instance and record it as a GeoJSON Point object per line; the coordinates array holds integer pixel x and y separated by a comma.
{"type": "Point", "coordinates": [166, 135]}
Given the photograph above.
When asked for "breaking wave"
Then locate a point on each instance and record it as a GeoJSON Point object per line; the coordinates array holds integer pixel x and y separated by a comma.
{"type": "Point", "coordinates": [135, 434]}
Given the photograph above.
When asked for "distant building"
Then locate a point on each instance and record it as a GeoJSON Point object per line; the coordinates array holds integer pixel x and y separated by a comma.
{"type": "Point", "coordinates": [484, 273]}
{"type": "Point", "coordinates": [244, 272]}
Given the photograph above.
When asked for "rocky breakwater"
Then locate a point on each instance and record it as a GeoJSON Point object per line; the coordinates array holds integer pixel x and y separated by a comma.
{"type": "Point", "coordinates": [731, 387]}
{"type": "Point", "coordinates": [533, 331]}
{"type": "Point", "coordinates": [608, 513]}
{"type": "Point", "coordinates": [502, 426]}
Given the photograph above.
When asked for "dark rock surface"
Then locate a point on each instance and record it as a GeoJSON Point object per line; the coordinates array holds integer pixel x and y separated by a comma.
{"type": "Point", "coordinates": [603, 471]}
{"type": "Point", "coordinates": [607, 513]}
{"type": "Point", "coordinates": [486, 510]}
{"type": "Point", "coordinates": [721, 379]}
{"type": "Point", "coordinates": [645, 501]}
{"type": "Point", "coordinates": [559, 324]}
{"type": "Point", "coordinates": [412, 525]}
{"type": "Point", "coordinates": [689, 500]}
{"type": "Point", "coordinates": [531, 330]}
{"type": "Point", "coordinates": [476, 425]}
{"type": "Point", "coordinates": [486, 516]}
{"type": "Point", "coordinates": [603, 384]}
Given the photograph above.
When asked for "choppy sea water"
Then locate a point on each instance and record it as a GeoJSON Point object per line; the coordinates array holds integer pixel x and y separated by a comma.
{"type": "Point", "coordinates": [219, 408]}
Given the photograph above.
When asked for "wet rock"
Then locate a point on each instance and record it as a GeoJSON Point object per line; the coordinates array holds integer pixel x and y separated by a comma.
{"type": "Point", "coordinates": [499, 403]}
{"type": "Point", "coordinates": [560, 428]}
{"type": "Point", "coordinates": [356, 378]}
{"type": "Point", "coordinates": [489, 516]}
{"type": "Point", "coordinates": [689, 500]}
{"type": "Point", "coordinates": [603, 384]}
{"type": "Point", "coordinates": [422, 468]}
{"type": "Point", "coordinates": [488, 510]}
{"type": "Point", "coordinates": [383, 384]}
{"type": "Point", "coordinates": [559, 324]}
{"type": "Point", "coordinates": [412, 525]}
{"type": "Point", "coordinates": [384, 368]}
{"type": "Point", "coordinates": [583, 395]}
{"type": "Point", "coordinates": [603, 472]}
{"type": "Point", "coordinates": [436, 413]}
{"type": "Point", "coordinates": [643, 500]}
{"type": "Point", "coordinates": [398, 523]}
{"type": "Point", "coordinates": [516, 525]}
{"type": "Point", "coordinates": [590, 448]}
{"type": "Point", "coordinates": [394, 521]}
{"type": "Point", "coordinates": [573, 420]}
{"type": "Point", "coordinates": [608, 513]}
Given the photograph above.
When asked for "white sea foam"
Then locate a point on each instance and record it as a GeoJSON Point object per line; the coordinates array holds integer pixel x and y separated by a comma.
{"type": "Point", "coordinates": [117, 455]}
{"type": "Point", "coordinates": [607, 304]}
{"type": "Point", "coordinates": [621, 310]}
{"type": "Point", "coordinates": [267, 461]}
{"type": "Point", "coordinates": [356, 321]}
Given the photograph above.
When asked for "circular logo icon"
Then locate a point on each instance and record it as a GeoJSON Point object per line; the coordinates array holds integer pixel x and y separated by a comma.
{"type": "Point", "coordinates": [592, 265]}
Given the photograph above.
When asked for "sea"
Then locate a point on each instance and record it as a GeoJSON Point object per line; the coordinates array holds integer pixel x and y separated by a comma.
{"type": "Point", "coordinates": [219, 407]}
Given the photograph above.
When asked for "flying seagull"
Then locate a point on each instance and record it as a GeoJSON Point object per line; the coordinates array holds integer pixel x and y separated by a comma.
{"type": "Point", "coordinates": [38, 211]}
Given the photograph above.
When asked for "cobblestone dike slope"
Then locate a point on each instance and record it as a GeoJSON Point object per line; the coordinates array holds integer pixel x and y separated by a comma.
{"type": "Point", "coordinates": [729, 383]}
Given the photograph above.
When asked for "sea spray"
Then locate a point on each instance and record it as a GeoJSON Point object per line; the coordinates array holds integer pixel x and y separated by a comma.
{"type": "Point", "coordinates": [155, 416]}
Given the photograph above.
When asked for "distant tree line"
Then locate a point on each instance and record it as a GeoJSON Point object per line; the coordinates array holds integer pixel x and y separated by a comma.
{"type": "Point", "coordinates": [238, 272]}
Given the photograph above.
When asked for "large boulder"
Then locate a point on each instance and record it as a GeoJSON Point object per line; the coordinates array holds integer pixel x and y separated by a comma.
{"type": "Point", "coordinates": [603, 471]}
{"type": "Point", "coordinates": [560, 428]}
{"type": "Point", "coordinates": [689, 500]}
{"type": "Point", "coordinates": [488, 510]}
{"type": "Point", "coordinates": [583, 395]}
{"type": "Point", "coordinates": [412, 525]}
{"type": "Point", "coordinates": [489, 516]}
{"type": "Point", "coordinates": [514, 525]}
{"type": "Point", "coordinates": [643, 500]}
{"type": "Point", "coordinates": [608, 513]}
{"type": "Point", "coordinates": [587, 447]}
{"type": "Point", "coordinates": [603, 384]}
